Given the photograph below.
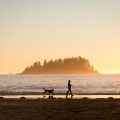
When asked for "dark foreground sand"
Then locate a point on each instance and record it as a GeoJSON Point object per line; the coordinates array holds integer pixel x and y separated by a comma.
{"type": "Point", "coordinates": [60, 109]}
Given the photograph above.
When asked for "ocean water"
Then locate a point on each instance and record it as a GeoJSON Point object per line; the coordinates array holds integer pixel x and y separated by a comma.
{"type": "Point", "coordinates": [80, 83]}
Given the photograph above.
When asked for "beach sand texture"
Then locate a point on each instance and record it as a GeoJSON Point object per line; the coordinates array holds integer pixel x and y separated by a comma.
{"type": "Point", "coordinates": [60, 109]}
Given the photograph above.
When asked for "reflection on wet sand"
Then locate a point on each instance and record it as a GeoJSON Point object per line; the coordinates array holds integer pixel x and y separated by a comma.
{"type": "Point", "coordinates": [60, 96]}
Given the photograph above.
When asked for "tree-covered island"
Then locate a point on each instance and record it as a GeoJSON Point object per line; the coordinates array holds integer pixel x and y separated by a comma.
{"type": "Point", "coordinates": [73, 65]}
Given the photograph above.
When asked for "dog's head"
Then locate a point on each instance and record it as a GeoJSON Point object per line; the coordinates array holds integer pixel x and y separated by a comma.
{"type": "Point", "coordinates": [53, 90]}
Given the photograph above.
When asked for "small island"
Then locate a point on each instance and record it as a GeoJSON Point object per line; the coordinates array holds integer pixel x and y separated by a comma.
{"type": "Point", "coordinates": [73, 65]}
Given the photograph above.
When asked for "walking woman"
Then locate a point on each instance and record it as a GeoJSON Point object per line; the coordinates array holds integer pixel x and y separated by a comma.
{"type": "Point", "coordinates": [69, 89]}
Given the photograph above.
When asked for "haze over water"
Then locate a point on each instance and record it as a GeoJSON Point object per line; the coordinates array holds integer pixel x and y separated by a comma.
{"type": "Point", "coordinates": [80, 83]}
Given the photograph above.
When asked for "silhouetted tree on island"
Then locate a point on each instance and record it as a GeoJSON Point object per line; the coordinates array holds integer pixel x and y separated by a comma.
{"type": "Point", "coordinates": [73, 65]}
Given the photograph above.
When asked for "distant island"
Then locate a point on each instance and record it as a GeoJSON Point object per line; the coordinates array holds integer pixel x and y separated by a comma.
{"type": "Point", "coordinates": [73, 65]}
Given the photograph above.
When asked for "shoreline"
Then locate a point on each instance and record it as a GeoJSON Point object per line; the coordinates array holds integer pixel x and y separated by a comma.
{"type": "Point", "coordinates": [41, 93]}
{"type": "Point", "coordinates": [78, 97]}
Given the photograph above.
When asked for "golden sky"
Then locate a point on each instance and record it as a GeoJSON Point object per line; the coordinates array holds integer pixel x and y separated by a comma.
{"type": "Point", "coordinates": [32, 30]}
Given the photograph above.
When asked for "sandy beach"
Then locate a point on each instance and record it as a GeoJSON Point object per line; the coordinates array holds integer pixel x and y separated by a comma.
{"type": "Point", "coordinates": [59, 109]}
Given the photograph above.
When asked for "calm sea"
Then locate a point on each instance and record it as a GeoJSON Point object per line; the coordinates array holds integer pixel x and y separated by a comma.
{"type": "Point", "coordinates": [80, 83]}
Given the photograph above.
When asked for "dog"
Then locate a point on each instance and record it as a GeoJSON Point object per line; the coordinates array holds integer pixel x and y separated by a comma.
{"type": "Point", "coordinates": [50, 92]}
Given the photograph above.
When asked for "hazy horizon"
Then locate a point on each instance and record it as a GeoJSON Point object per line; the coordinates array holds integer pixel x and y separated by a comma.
{"type": "Point", "coordinates": [34, 30]}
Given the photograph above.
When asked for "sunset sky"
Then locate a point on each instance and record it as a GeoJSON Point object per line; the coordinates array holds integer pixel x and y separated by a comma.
{"type": "Point", "coordinates": [32, 30]}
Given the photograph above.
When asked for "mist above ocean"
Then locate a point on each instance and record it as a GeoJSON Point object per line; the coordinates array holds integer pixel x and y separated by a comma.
{"type": "Point", "coordinates": [58, 82]}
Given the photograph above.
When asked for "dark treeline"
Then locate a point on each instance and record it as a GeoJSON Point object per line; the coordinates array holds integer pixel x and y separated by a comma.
{"type": "Point", "coordinates": [73, 65]}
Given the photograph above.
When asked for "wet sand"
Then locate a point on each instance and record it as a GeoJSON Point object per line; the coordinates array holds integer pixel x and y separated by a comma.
{"type": "Point", "coordinates": [41, 93]}
{"type": "Point", "coordinates": [60, 96]}
{"type": "Point", "coordinates": [59, 109]}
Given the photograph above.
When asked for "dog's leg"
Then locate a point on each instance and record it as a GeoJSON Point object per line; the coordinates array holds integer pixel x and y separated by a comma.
{"type": "Point", "coordinates": [44, 94]}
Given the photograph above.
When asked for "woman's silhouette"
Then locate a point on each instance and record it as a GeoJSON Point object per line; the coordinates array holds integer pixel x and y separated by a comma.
{"type": "Point", "coordinates": [69, 89]}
